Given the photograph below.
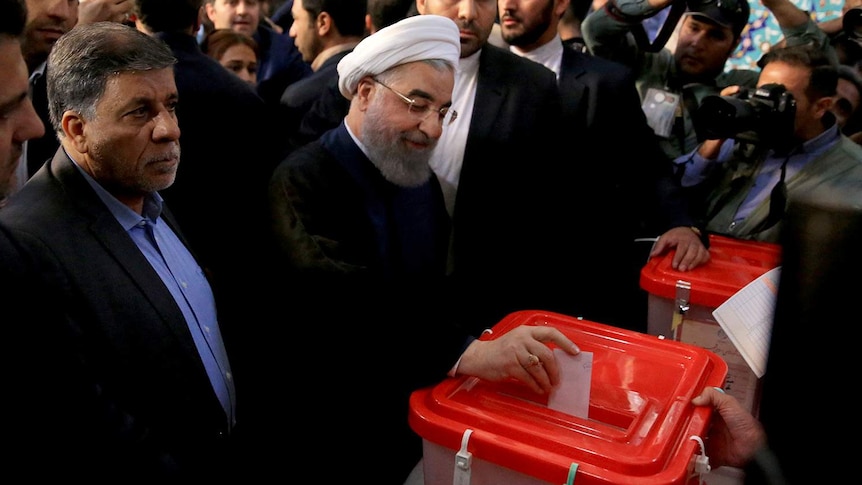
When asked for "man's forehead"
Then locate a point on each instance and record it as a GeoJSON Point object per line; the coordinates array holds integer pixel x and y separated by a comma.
{"type": "Point", "coordinates": [233, 3]}
{"type": "Point", "coordinates": [706, 21]}
{"type": "Point", "coordinates": [156, 83]}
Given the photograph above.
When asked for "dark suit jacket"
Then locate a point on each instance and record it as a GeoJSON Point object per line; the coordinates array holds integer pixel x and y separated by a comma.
{"type": "Point", "coordinates": [229, 148]}
{"type": "Point", "coordinates": [280, 63]}
{"type": "Point", "coordinates": [603, 94]}
{"type": "Point", "coordinates": [299, 97]}
{"type": "Point", "coordinates": [230, 144]}
{"type": "Point", "coordinates": [327, 112]}
{"type": "Point", "coordinates": [47, 394]}
{"type": "Point", "coordinates": [40, 150]}
{"type": "Point", "coordinates": [618, 187]}
{"type": "Point", "coordinates": [501, 211]}
{"type": "Point", "coordinates": [143, 405]}
{"type": "Point", "coordinates": [364, 262]}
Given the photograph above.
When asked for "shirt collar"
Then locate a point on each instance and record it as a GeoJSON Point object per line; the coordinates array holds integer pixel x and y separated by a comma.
{"type": "Point", "coordinates": [38, 72]}
{"type": "Point", "coordinates": [125, 216]}
{"type": "Point", "coordinates": [470, 64]}
{"type": "Point", "coordinates": [329, 52]}
{"type": "Point", "coordinates": [549, 54]}
{"type": "Point", "coordinates": [822, 141]}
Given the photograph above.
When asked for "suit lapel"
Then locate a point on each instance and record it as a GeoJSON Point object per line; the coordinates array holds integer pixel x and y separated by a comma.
{"type": "Point", "coordinates": [108, 232]}
{"type": "Point", "coordinates": [572, 90]}
{"type": "Point", "coordinates": [490, 92]}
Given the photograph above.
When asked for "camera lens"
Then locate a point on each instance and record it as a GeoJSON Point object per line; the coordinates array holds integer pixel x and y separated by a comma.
{"type": "Point", "coordinates": [724, 116]}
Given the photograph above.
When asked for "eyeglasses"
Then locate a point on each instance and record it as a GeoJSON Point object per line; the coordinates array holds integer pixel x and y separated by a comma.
{"type": "Point", "coordinates": [421, 111]}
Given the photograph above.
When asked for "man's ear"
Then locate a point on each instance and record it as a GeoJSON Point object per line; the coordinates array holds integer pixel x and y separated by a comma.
{"type": "Point", "coordinates": [324, 24]}
{"type": "Point", "coordinates": [73, 128]}
{"type": "Point", "coordinates": [209, 11]}
{"type": "Point", "coordinates": [202, 14]}
{"type": "Point", "coordinates": [363, 91]}
{"type": "Point", "coordinates": [824, 105]}
{"type": "Point", "coordinates": [560, 7]}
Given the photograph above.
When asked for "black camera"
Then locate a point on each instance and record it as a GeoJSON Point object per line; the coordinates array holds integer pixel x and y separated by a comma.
{"type": "Point", "coordinates": [763, 116]}
{"type": "Point", "coordinates": [851, 23]}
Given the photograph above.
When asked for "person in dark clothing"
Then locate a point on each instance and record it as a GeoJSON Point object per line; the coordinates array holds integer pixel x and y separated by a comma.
{"type": "Point", "coordinates": [281, 63]}
{"type": "Point", "coordinates": [363, 234]}
{"type": "Point", "coordinates": [223, 175]}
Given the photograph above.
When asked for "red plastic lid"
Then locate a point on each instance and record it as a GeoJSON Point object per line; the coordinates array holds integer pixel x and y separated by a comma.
{"type": "Point", "coordinates": [733, 264]}
{"type": "Point", "coordinates": [640, 416]}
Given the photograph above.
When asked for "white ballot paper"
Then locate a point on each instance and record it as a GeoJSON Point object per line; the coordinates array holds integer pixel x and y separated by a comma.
{"type": "Point", "coordinates": [746, 318]}
{"type": "Point", "coordinates": [572, 395]}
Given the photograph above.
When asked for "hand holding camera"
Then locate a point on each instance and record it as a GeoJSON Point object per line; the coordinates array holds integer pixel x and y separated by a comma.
{"type": "Point", "coordinates": [764, 116]}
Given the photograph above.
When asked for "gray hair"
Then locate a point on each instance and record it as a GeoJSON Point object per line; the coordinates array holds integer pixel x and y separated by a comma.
{"type": "Point", "coordinates": [84, 58]}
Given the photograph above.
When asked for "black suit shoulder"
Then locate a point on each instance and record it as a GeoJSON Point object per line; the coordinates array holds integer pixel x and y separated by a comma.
{"type": "Point", "coordinates": [303, 92]}
{"type": "Point", "coordinates": [128, 363]}
{"type": "Point", "coordinates": [40, 150]}
{"type": "Point", "coordinates": [505, 64]}
{"type": "Point", "coordinates": [230, 142]}
{"type": "Point", "coordinates": [310, 93]}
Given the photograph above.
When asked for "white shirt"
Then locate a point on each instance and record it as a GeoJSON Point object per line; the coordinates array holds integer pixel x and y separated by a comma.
{"type": "Point", "coordinates": [448, 155]}
{"type": "Point", "coordinates": [549, 55]}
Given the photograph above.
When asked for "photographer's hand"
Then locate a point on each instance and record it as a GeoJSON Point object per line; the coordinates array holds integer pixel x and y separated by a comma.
{"type": "Point", "coordinates": [710, 149]}
{"type": "Point", "coordinates": [660, 4]}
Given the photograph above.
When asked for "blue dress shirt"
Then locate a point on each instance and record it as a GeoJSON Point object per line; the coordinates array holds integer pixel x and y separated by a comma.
{"type": "Point", "coordinates": [186, 281]}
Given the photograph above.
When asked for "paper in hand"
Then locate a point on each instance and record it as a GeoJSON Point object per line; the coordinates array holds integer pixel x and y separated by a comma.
{"type": "Point", "coordinates": [572, 395]}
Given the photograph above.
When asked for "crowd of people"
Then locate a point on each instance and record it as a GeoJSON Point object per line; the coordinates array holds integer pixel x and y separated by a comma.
{"type": "Point", "coordinates": [216, 214]}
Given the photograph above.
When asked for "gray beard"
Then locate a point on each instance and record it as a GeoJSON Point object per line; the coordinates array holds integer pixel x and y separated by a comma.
{"type": "Point", "coordinates": [397, 162]}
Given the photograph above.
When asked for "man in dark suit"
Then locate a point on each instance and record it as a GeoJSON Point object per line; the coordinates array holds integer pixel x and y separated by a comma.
{"type": "Point", "coordinates": [280, 62]}
{"type": "Point", "coordinates": [47, 20]}
{"type": "Point", "coordinates": [363, 232]}
{"type": "Point", "coordinates": [20, 120]}
{"type": "Point", "coordinates": [613, 158]}
{"type": "Point", "coordinates": [494, 164]}
{"type": "Point", "coordinates": [40, 392]}
{"type": "Point", "coordinates": [324, 32]}
{"type": "Point", "coordinates": [230, 145]}
{"type": "Point", "coordinates": [145, 388]}
{"type": "Point", "coordinates": [328, 110]}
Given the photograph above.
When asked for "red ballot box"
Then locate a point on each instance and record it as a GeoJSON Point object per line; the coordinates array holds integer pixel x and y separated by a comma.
{"type": "Point", "coordinates": [680, 304]}
{"type": "Point", "coordinates": [641, 427]}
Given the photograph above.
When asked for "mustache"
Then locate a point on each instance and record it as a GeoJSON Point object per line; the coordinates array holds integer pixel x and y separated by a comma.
{"type": "Point", "coordinates": [173, 153]}
{"type": "Point", "coordinates": [465, 25]}
{"type": "Point", "coordinates": [420, 138]}
{"type": "Point", "coordinates": [50, 23]}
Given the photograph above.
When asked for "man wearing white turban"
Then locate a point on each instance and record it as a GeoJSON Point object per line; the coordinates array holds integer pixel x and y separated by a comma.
{"type": "Point", "coordinates": [430, 38]}
{"type": "Point", "coordinates": [362, 232]}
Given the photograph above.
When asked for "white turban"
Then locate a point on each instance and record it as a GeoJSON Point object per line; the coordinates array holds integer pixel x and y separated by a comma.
{"type": "Point", "coordinates": [415, 38]}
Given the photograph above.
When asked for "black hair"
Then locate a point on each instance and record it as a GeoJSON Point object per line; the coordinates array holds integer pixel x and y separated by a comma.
{"type": "Point", "coordinates": [386, 12]}
{"type": "Point", "coordinates": [823, 80]}
{"type": "Point", "coordinates": [13, 16]}
{"type": "Point", "coordinates": [168, 15]}
{"type": "Point", "coordinates": [348, 15]}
